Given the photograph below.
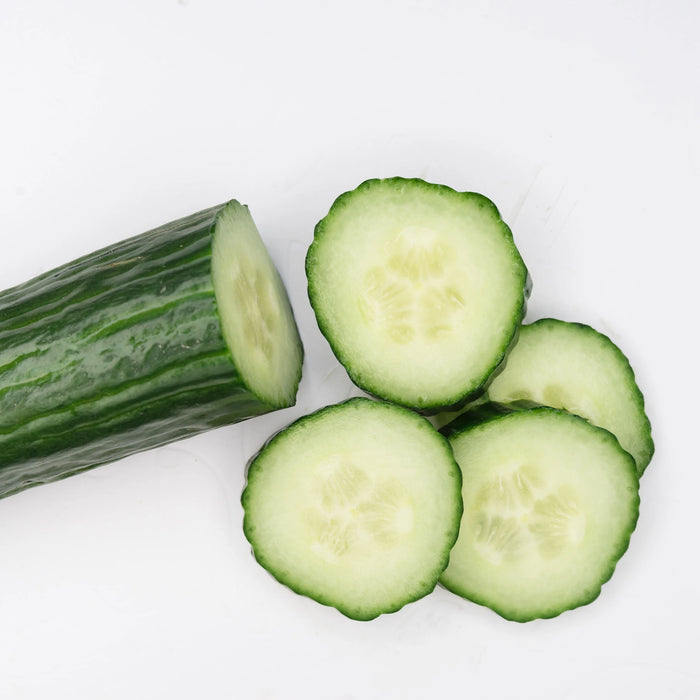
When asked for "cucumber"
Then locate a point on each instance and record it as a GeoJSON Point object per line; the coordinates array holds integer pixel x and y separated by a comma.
{"type": "Point", "coordinates": [181, 329]}
{"type": "Point", "coordinates": [574, 367]}
{"type": "Point", "coordinates": [418, 289]}
{"type": "Point", "coordinates": [355, 506]}
{"type": "Point", "coordinates": [550, 503]}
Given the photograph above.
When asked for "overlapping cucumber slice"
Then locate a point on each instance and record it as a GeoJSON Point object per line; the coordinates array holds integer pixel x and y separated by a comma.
{"type": "Point", "coordinates": [574, 367]}
{"type": "Point", "coordinates": [419, 289]}
{"type": "Point", "coordinates": [550, 503]}
{"type": "Point", "coordinates": [356, 506]}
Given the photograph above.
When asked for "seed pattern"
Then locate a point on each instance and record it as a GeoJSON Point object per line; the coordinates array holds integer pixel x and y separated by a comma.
{"type": "Point", "coordinates": [556, 522]}
{"type": "Point", "coordinates": [258, 305]}
{"type": "Point", "coordinates": [352, 507]}
{"type": "Point", "coordinates": [412, 295]}
{"type": "Point", "coordinates": [516, 512]}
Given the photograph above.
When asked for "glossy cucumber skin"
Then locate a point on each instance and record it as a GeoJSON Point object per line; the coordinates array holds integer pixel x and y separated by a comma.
{"type": "Point", "coordinates": [114, 353]}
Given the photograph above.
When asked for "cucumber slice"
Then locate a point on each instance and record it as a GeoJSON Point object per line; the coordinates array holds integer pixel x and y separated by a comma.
{"type": "Point", "coordinates": [355, 506]}
{"type": "Point", "coordinates": [574, 367]}
{"type": "Point", "coordinates": [419, 290]}
{"type": "Point", "coordinates": [550, 503]}
{"type": "Point", "coordinates": [159, 337]}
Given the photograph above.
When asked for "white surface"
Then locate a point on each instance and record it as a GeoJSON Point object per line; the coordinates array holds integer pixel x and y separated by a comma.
{"type": "Point", "coordinates": [580, 120]}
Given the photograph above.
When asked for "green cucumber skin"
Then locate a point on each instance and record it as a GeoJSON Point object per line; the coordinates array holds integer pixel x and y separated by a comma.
{"type": "Point", "coordinates": [475, 416]}
{"type": "Point", "coordinates": [114, 353]}
{"type": "Point", "coordinates": [461, 399]}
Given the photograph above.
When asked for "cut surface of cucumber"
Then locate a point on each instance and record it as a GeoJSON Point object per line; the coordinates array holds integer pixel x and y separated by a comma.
{"type": "Point", "coordinates": [574, 367]}
{"type": "Point", "coordinates": [355, 506]}
{"type": "Point", "coordinates": [419, 289]}
{"type": "Point", "coordinates": [161, 336]}
{"type": "Point", "coordinates": [550, 503]}
{"type": "Point", "coordinates": [255, 314]}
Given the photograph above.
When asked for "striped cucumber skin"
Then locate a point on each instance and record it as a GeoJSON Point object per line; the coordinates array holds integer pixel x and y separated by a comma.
{"type": "Point", "coordinates": [117, 352]}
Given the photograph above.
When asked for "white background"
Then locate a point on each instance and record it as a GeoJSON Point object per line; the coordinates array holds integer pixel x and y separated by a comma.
{"type": "Point", "coordinates": [580, 120]}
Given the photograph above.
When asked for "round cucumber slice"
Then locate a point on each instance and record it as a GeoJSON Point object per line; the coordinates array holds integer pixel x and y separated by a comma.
{"type": "Point", "coordinates": [550, 503]}
{"type": "Point", "coordinates": [355, 506]}
{"type": "Point", "coordinates": [419, 290]}
{"type": "Point", "coordinates": [576, 368]}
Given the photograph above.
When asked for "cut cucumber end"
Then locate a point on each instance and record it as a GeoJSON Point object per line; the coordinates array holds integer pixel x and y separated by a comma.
{"type": "Point", "coordinates": [550, 503]}
{"type": "Point", "coordinates": [418, 288]}
{"type": "Point", "coordinates": [356, 506]}
{"type": "Point", "coordinates": [256, 317]}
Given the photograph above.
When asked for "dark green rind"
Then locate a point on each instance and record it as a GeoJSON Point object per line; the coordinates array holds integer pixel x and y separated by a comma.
{"type": "Point", "coordinates": [644, 459]}
{"type": "Point", "coordinates": [462, 396]}
{"type": "Point", "coordinates": [475, 416]}
{"type": "Point", "coordinates": [491, 412]}
{"type": "Point", "coordinates": [427, 585]}
{"type": "Point", "coordinates": [115, 353]}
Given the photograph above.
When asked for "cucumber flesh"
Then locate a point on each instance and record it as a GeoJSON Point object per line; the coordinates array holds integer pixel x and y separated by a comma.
{"type": "Point", "coordinates": [576, 368]}
{"type": "Point", "coordinates": [256, 317]}
{"type": "Point", "coordinates": [136, 345]}
{"type": "Point", "coordinates": [356, 506]}
{"type": "Point", "coordinates": [550, 503]}
{"type": "Point", "coordinates": [419, 290]}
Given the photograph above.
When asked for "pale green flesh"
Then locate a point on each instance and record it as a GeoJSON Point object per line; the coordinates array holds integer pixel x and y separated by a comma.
{"type": "Point", "coordinates": [420, 295]}
{"type": "Point", "coordinates": [256, 317]}
{"type": "Point", "coordinates": [571, 366]}
{"type": "Point", "coordinates": [415, 294]}
{"type": "Point", "coordinates": [549, 504]}
{"type": "Point", "coordinates": [354, 510]}
{"type": "Point", "coordinates": [356, 507]}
